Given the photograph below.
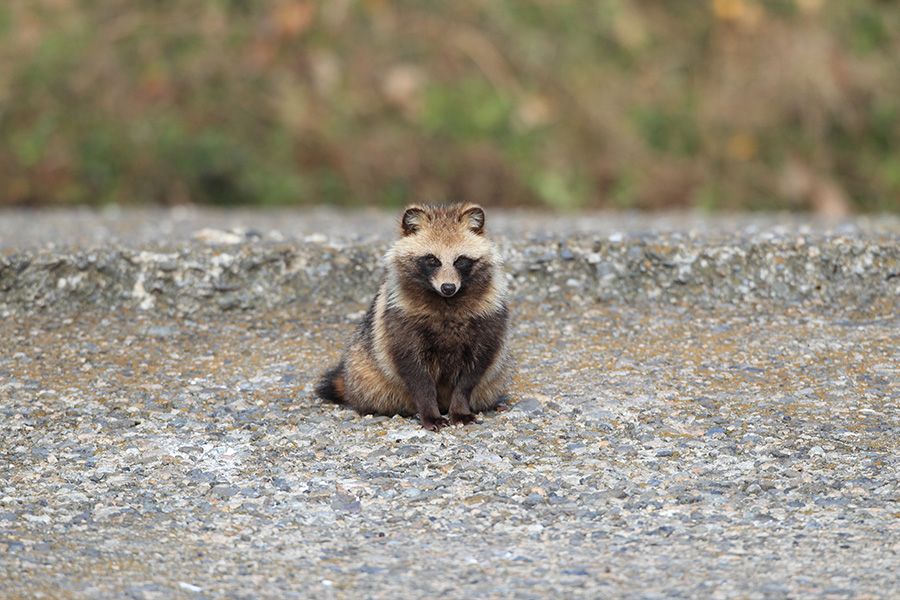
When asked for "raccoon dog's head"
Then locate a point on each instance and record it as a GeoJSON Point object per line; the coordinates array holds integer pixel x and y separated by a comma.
{"type": "Point", "coordinates": [443, 250]}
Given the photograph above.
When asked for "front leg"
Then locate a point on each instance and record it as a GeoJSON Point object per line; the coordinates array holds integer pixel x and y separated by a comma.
{"type": "Point", "coordinates": [421, 386]}
{"type": "Point", "coordinates": [460, 410]}
{"type": "Point", "coordinates": [487, 337]}
{"type": "Point", "coordinates": [425, 395]}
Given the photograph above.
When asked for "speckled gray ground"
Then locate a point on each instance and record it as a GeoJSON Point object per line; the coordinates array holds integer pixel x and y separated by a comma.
{"type": "Point", "coordinates": [723, 436]}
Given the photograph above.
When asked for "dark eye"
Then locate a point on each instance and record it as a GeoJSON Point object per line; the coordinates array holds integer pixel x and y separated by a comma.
{"type": "Point", "coordinates": [463, 263]}
{"type": "Point", "coordinates": [432, 261]}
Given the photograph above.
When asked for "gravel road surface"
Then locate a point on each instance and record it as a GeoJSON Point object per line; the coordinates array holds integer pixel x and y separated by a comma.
{"type": "Point", "coordinates": [705, 408]}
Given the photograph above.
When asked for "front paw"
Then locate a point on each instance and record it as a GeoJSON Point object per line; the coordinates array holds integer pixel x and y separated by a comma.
{"type": "Point", "coordinates": [434, 423]}
{"type": "Point", "coordinates": [462, 418]}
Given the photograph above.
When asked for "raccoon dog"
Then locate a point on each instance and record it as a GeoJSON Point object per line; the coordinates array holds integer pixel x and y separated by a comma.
{"type": "Point", "coordinates": [434, 338]}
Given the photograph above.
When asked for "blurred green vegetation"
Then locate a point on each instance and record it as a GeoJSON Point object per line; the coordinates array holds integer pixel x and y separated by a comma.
{"type": "Point", "coordinates": [716, 104]}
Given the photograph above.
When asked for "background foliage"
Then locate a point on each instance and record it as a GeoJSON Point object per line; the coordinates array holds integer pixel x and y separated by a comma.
{"type": "Point", "coordinates": [718, 104]}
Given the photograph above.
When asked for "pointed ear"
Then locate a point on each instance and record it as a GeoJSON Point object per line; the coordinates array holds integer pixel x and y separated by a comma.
{"type": "Point", "coordinates": [473, 217]}
{"type": "Point", "coordinates": [412, 220]}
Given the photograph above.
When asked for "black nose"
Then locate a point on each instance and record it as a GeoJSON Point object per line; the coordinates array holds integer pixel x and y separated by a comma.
{"type": "Point", "coordinates": [448, 289]}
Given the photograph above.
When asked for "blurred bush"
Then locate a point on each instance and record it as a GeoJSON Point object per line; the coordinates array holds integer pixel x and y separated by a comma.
{"type": "Point", "coordinates": [718, 104]}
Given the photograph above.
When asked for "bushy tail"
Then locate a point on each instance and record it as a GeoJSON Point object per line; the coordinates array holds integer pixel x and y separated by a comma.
{"type": "Point", "coordinates": [331, 385]}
